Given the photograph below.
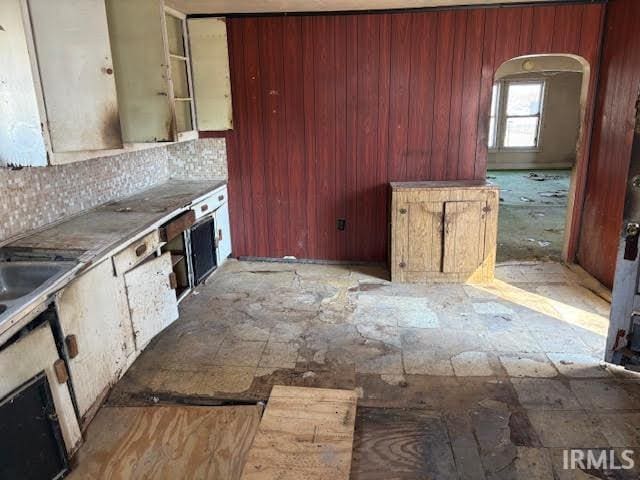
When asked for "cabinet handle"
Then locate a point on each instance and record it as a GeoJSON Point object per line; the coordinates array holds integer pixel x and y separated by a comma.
{"type": "Point", "coordinates": [220, 235]}
{"type": "Point", "coordinates": [60, 369]}
{"type": "Point", "coordinates": [141, 249]}
{"type": "Point", "coordinates": [204, 208]}
{"type": "Point", "coordinates": [72, 345]}
{"type": "Point", "coordinates": [173, 281]}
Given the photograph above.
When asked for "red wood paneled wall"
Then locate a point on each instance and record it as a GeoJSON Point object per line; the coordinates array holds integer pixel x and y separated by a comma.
{"type": "Point", "coordinates": [329, 109]}
{"type": "Point", "coordinates": [612, 139]}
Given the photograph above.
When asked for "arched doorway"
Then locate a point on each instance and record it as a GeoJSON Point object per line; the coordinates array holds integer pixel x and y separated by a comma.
{"type": "Point", "coordinates": [535, 133]}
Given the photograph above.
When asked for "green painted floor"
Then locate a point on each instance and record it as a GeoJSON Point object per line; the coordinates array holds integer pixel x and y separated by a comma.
{"type": "Point", "coordinates": [533, 208]}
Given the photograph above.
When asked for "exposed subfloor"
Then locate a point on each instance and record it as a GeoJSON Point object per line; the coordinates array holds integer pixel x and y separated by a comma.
{"type": "Point", "coordinates": [533, 210]}
{"type": "Point", "coordinates": [455, 381]}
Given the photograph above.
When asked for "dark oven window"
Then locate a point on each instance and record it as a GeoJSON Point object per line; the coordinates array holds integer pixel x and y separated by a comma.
{"type": "Point", "coordinates": [31, 444]}
{"type": "Point", "coordinates": [203, 249]}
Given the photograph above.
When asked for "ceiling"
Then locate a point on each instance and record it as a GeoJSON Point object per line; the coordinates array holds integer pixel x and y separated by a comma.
{"type": "Point", "coordinates": [272, 6]}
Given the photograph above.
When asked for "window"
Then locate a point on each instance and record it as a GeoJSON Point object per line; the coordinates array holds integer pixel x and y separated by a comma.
{"type": "Point", "coordinates": [516, 114]}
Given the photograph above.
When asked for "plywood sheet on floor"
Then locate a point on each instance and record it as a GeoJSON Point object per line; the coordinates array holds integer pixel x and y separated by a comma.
{"type": "Point", "coordinates": [167, 442]}
{"type": "Point", "coordinates": [304, 433]}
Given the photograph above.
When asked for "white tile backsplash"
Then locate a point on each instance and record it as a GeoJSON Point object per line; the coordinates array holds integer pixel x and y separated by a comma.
{"type": "Point", "coordinates": [33, 197]}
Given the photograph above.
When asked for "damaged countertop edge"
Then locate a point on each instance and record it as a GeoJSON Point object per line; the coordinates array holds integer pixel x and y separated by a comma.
{"type": "Point", "coordinates": [92, 257]}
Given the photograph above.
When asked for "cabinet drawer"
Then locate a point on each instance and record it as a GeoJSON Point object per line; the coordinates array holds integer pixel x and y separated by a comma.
{"type": "Point", "coordinates": [211, 203]}
{"type": "Point", "coordinates": [136, 252]}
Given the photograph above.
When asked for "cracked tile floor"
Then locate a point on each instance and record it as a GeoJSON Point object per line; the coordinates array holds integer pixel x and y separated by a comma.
{"type": "Point", "coordinates": [455, 381]}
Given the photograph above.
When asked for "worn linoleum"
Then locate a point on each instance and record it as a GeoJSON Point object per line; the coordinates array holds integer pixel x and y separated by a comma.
{"type": "Point", "coordinates": [489, 381]}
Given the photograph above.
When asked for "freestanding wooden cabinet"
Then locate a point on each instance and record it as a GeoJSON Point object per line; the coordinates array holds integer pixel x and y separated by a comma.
{"type": "Point", "coordinates": [443, 231]}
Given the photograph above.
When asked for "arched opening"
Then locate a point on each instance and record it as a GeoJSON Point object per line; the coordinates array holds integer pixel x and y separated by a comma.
{"type": "Point", "coordinates": [537, 123]}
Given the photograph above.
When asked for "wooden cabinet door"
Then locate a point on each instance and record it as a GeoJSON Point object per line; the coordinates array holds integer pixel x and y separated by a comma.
{"type": "Point", "coordinates": [94, 308]}
{"type": "Point", "coordinates": [424, 247]}
{"type": "Point", "coordinates": [152, 301]}
{"type": "Point", "coordinates": [74, 58]}
{"type": "Point", "coordinates": [463, 236]}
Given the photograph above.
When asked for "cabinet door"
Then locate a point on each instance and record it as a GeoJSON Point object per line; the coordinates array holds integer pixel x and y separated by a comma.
{"type": "Point", "coordinates": [223, 234]}
{"type": "Point", "coordinates": [463, 236]}
{"type": "Point", "coordinates": [210, 65]}
{"type": "Point", "coordinates": [152, 301]}
{"type": "Point", "coordinates": [141, 69]}
{"type": "Point", "coordinates": [94, 308]}
{"type": "Point", "coordinates": [74, 58]}
{"type": "Point", "coordinates": [423, 245]}
{"type": "Point", "coordinates": [21, 140]}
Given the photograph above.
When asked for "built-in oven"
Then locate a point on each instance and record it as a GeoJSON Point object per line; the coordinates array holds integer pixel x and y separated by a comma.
{"type": "Point", "coordinates": [31, 444]}
{"type": "Point", "coordinates": [203, 249]}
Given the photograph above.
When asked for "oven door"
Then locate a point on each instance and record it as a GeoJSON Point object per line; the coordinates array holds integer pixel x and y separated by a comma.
{"type": "Point", "coordinates": [203, 250]}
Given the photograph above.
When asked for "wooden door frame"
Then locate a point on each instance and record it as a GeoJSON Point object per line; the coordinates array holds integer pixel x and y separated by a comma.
{"type": "Point", "coordinates": [576, 195]}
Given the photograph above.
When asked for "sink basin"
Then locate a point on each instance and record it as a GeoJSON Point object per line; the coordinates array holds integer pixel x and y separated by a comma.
{"type": "Point", "coordinates": [18, 279]}
{"type": "Point", "coordinates": [22, 282]}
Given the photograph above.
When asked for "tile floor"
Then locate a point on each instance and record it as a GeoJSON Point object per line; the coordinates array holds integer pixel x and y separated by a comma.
{"type": "Point", "coordinates": [482, 382]}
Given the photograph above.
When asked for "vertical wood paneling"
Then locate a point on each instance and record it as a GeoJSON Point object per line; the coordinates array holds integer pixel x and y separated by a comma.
{"type": "Point", "coordinates": [611, 141]}
{"type": "Point", "coordinates": [526, 31]}
{"type": "Point", "coordinates": [471, 94]}
{"type": "Point", "coordinates": [421, 94]}
{"type": "Point", "coordinates": [341, 185]}
{"type": "Point", "coordinates": [486, 83]}
{"type": "Point", "coordinates": [452, 160]}
{"type": "Point", "coordinates": [310, 134]}
{"type": "Point", "coordinates": [351, 180]}
{"type": "Point", "coordinates": [236, 175]}
{"type": "Point", "coordinates": [254, 139]}
{"type": "Point", "coordinates": [442, 100]}
{"type": "Point", "coordinates": [399, 95]}
{"type": "Point", "coordinates": [325, 133]}
{"type": "Point", "coordinates": [329, 109]}
{"type": "Point", "coordinates": [567, 38]}
{"type": "Point", "coordinates": [295, 137]}
{"type": "Point", "coordinates": [368, 27]}
{"type": "Point", "coordinates": [544, 19]}
{"type": "Point", "coordinates": [274, 136]}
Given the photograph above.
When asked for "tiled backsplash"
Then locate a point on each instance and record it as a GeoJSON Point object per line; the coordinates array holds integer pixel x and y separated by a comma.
{"type": "Point", "coordinates": [33, 197]}
{"type": "Point", "coordinates": [204, 159]}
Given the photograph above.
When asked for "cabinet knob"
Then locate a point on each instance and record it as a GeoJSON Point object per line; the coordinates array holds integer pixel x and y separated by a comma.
{"type": "Point", "coordinates": [72, 345]}
{"type": "Point", "coordinates": [403, 211]}
{"type": "Point", "coordinates": [402, 265]}
{"type": "Point", "coordinates": [60, 369]}
{"type": "Point", "coordinates": [220, 198]}
{"type": "Point", "coordinates": [141, 249]}
{"type": "Point", "coordinates": [204, 208]}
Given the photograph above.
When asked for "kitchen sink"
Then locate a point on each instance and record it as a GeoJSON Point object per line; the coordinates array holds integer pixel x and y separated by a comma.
{"type": "Point", "coordinates": [18, 279]}
{"type": "Point", "coordinates": [23, 281]}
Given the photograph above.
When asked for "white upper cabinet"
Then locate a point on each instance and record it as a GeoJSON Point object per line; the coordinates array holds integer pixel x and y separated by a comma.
{"type": "Point", "coordinates": [21, 136]}
{"type": "Point", "coordinates": [58, 99]}
{"type": "Point", "coordinates": [74, 58]}
{"type": "Point", "coordinates": [153, 71]}
{"type": "Point", "coordinates": [211, 79]}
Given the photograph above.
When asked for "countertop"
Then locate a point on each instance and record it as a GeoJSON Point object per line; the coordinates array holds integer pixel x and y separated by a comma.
{"type": "Point", "coordinates": [96, 234]}
{"type": "Point", "coordinates": [430, 184]}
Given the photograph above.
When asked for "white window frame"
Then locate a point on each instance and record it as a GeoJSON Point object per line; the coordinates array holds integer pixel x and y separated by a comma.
{"type": "Point", "coordinates": [501, 120]}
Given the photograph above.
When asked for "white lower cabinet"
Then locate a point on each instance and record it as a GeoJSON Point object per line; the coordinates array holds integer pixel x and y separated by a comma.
{"type": "Point", "coordinates": [152, 299]}
{"type": "Point", "coordinates": [27, 357]}
{"type": "Point", "coordinates": [223, 233]}
{"type": "Point", "coordinates": [94, 313]}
